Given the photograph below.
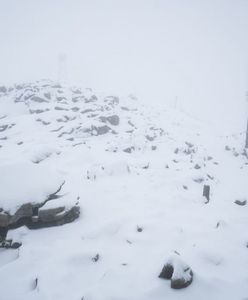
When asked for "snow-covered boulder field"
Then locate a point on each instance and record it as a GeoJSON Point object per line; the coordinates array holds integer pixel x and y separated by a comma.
{"type": "Point", "coordinates": [126, 184]}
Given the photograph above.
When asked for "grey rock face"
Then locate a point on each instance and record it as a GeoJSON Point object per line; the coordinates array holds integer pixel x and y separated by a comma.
{"type": "Point", "coordinates": [33, 216]}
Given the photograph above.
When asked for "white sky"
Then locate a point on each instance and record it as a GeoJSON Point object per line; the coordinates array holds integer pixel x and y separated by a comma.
{"type": "Point", "coordinates": [158, 49]}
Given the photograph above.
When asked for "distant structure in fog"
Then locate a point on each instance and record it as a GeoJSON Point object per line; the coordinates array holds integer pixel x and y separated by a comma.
{"type": "Point", "coordinates": [62, 67]}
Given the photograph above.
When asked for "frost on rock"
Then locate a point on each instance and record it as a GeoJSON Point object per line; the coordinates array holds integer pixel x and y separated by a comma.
{"type": "Point", "coordinates": [178, 272]}
{"type": "Point", "coordinates": [25, 192]}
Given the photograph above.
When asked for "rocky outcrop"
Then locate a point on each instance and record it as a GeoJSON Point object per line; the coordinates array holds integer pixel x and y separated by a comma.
{"type": "Point", "coordinates": [178, 272]}
{"type": "Point", "coordinates": [34, 216]}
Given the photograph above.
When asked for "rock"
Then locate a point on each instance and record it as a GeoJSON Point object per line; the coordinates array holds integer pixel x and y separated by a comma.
{"type": "Point", "coordinates": [37, 111]}
{"type": "Point", "coordinates": [197, 167]}
{"type": "Point", "coordinates": [96, 258]}
{"type": "Point", "coordinates": [3, 128]}
{"type": "Point", "coordinates": [60, 108]}
{"type": "Point", "coordinates": [9, 244]}
{"type": "Point", "coordinates": [38, 99]}
{"type": "Point", "coordinates": [33, 216]}
{"type": "Point", "coordinates": [112, 100]}
{"type": "Point", "coordinates": [100, 130]}
{"type": "Point", "coordinates": [54, 217]}
{"type": "Point", "coordinates": [129, 149]}
{"type": "Point", "coordinates": [150, 138]}
{"type": "Point", "coordinates": [3, 89]}
{"type": "Point", "coordinates": [178, 272]}
{"type": "Point", "coordinates": [241, 202]}
{"type": "Point", "coordinates": [113, 120]}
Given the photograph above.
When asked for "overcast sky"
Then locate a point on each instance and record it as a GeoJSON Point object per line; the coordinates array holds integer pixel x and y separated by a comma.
{"type": "Point", "coordinates": [196, 51]}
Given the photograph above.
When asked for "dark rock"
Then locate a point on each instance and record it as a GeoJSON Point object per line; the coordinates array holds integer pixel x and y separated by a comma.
{"type": "Point", "coordinates": [9, 244]}
{"type": "Point", "coordinates": [178, 272]}
{"type": "Point", "coordinates": [113, 120]}
{"type": "Point", "coordinates": [197, 167]}
{"type": "Point", "coordinates": [31, 215]}
{"type": "Point", "coordinates": [206, 192]}
{"type": "Point", "coordinates": [96, 258]}
{"type": "Point", "coordinates": [38, 111]}
{"type": "Point", "coordinates": [100, 130]}
{"type": "Point", "coordinates": [129, 149]}
{"type": "Point", "coordinates": [241, 202]}
{"type": "Point", "coordinates": [60, 108]}
{"type": "Point", "coordinates": [150, 138]}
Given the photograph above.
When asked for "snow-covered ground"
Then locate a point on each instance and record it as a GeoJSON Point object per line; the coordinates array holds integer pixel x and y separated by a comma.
{"type": "Point", "coordinates": [138, 174]}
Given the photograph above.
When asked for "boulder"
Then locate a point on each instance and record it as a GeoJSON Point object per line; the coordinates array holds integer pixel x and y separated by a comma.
{"type": "Point", "coordinates": [178, 272]}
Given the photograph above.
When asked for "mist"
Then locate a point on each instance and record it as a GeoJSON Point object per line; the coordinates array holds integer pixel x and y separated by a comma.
{"type": "Point", "coordinates": [188, 54]}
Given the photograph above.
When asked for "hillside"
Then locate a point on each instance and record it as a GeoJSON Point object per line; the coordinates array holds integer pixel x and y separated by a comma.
{"type": "Point", "coordinates": [137, 174]}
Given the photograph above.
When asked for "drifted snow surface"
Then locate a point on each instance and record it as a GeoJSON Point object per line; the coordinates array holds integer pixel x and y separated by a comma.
{"type": "Point", "coordinates": [157, 190]}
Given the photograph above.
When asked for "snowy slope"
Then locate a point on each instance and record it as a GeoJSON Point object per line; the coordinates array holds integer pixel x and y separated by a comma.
{"type": "Point", "coordinates": [138, 174]}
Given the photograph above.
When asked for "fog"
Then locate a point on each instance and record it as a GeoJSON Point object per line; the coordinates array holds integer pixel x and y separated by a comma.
{"type": "Point", "coordinates": [192, 54]}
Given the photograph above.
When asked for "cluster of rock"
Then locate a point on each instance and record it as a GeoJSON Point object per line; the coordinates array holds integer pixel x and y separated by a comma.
{"type": "Point", "coordinates": [70, 114]}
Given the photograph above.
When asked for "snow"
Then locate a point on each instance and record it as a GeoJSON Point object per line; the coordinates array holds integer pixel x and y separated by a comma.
{"type": "Point", "coordinates": [128, 190]}
{"type": "Point", "coordinates": [24, 183]}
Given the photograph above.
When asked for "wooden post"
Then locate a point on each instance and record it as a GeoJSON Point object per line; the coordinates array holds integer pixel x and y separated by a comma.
{"type": "Point", "coordinates": [206, 192]}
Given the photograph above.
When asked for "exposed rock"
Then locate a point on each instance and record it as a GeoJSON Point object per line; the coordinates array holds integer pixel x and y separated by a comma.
{"type": "Point", "coordinates": [31, 215]}
{"type": "Point", "coordinates": [96, 258]}
{"type": "Point", "coordinates": [60, 108]}
{"type": "Point", "coordinates": [178, 272]}
{"type": "Point", "coordinates": [129, 149]}
{"type": "Point", "coordinates": [3, 89]}
{"type": "Point", "coordinates": [113, 120]}
{"type": "Point", "coordinates": [150, 138]}
{"type": "Point", "coordinates": [54, 217]}
{"type": "Point", "coordinates": [100, 130]}
{"type": "Point", "coordinates": [38, 111]}
{"type": "Point", "coordinates": [38, 99]}
{"type": "Point", "coordinates": [241, 202]}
